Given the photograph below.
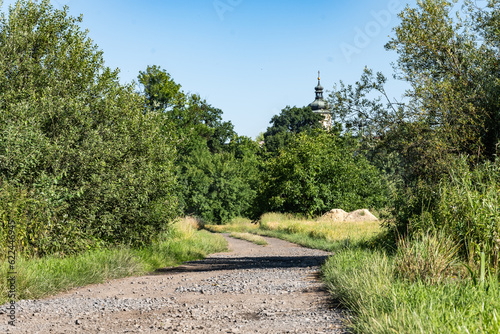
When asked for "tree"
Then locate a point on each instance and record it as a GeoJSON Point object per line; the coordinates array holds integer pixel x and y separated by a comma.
{"type": "Point", "coordinates": [291, 120]}
{"type": "Point", "coordinates": [221, 186]}
{"type": "Point", "coordinates": [318, 172]}
{"type": "Point", "coordinates": [75, 145]}
{"type": "Point", "coordinates": [453, 78]}
{"type": "Point", "coordinates": [160, 90]}
{"type": "Point", "coordinates": [452, 106]}
{"type": "Point", "coordinates": [216, 169]}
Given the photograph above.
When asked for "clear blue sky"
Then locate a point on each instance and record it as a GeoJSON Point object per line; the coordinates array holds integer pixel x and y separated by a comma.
{"type": "Point", "coordinates": [250, 58]}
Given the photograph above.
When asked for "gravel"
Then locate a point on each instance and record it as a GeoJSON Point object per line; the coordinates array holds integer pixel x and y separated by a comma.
{"type": "Point", "coordinates": [253, 289]}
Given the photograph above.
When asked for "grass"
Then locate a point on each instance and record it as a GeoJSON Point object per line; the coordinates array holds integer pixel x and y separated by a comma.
{"type": "Point", "coordinates": [256, 239]}
{"type": "Point", "coordinates": [422, 287]}
{"type": "Point", "coordinates": [364, 281]}
{"type": "Point", "coordinates": [41, 277]}
{"type": "Point", "coordinates": [313, 233]}
{"type": "Point", "coordinates": [238, 224]}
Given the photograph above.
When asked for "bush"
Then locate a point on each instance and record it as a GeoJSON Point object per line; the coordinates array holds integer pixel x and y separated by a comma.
{"type": "Point", "coordinates": [75, 145]}
{"type": "Point", "coordinates": [465, 205]}
{"type": "Point", "coordinates": [318, 172]}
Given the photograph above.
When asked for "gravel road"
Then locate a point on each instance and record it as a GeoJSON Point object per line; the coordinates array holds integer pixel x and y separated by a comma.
{"type": "Point", "coordinates": [252, 289]}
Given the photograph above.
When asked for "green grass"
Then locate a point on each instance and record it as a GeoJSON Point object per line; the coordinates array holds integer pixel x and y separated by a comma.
{"type": "Point", "coordinates": [256, 239]}
{"type": "Point", "coordinates": [422, 287]}
{"type": "Point", "coordinates": [40, 277]}
{"type": "Point", "coordinates": [364, 281]}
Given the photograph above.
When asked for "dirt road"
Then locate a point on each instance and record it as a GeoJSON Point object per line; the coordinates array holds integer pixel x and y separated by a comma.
{"type": "Point", "coordinates": [252, 289]}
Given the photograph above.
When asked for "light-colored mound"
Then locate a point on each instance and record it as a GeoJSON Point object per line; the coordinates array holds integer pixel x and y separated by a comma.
{"type": "Point", "coordinates": [337, 215]}
{"type": "Point", "coordinates": [361, 215]}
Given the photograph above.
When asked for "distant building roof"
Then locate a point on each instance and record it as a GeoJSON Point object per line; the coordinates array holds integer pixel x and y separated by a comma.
{"type": "Point", "coordinates": [320, 106]}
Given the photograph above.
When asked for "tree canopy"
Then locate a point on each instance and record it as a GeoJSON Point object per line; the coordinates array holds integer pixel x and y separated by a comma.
{"type": "Point", "coordinates": [78, 157]}
{"type": "Point", "coordinates": [290, 121]}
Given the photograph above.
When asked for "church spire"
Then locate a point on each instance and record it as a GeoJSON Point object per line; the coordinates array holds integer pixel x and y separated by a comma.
{"type": "Point", "coordinates": [319, 89]}
{"type": "Point", "coordinates": [320, 106]}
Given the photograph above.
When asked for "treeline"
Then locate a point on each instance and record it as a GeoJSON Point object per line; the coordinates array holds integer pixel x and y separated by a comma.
{"type": "Point", "coordinates": [439, 146]}
{"type": "Point", "coordinates": [87, 162]}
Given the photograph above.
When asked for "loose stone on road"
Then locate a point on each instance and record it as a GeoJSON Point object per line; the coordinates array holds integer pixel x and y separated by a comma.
{"type": "Point", "coordinates": [252, 289]}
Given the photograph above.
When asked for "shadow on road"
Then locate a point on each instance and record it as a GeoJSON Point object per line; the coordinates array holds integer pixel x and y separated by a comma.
{"type": "Point", "coordinates": [238, 263]}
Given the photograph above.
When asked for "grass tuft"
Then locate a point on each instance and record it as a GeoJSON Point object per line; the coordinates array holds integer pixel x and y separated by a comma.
{"type": "Point", "coordinates": [256, 239]}
{"type": "Point", "coordinates": [431, 258]}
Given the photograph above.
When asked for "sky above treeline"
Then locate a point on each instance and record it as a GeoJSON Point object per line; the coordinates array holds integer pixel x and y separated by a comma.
{"type": "Point", "coordinates": [250, 58]}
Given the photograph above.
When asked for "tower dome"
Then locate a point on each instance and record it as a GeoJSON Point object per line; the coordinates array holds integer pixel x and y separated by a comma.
{"type": "Point", "coordinates": [320, 106]}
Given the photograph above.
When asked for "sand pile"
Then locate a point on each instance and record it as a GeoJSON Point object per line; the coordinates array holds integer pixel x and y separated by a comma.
{"type": "Point", "coordinates": [339, 215]}
{"type": "Point", "coordinates": [361, 215]}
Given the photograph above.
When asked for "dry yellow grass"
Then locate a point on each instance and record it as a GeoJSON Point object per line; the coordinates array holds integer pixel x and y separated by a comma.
{"type": "Point", "coordinates": [256, 239]}
{"type": "Point", "coordinates": [236, 225]}
{"type": "Point", "coordinates": [331, 230]}
{"type": "Point", "coordinates": [186, 227]}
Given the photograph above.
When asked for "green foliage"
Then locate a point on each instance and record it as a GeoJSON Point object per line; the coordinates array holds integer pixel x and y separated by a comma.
{"type": "Point", "coordinates": [216, 169]}
{"type": "Point", "coordinates": [453, 78]}
{"type": "Point", "coordinates": [291, 120]}
{"type": "Point", "coordinates": [451, 107]}
{"type": "Point", "coordinates": [160, 90]}
{"type": "Point", "coordinates": [364, 281]}
{"type": "Point", "coordinates": [197, 123]}
{"type": "Point", "coordinates": [74, 143]}
{"type": "Point", "coordinates": [39, 227]}
{"type": "Point", "coordinates": [218, 187]}
{"type": "Point", "coordinates": [465, 205]}
{"type": "Point", "coordinates": [318, 172]}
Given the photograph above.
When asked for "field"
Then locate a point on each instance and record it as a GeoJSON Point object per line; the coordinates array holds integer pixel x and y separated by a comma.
{"type": "Point", "coordinates": [314, 233]}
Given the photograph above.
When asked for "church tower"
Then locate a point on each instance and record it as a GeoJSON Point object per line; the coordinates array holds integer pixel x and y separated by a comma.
{"type": "Point", "coordinates": [320, 106]}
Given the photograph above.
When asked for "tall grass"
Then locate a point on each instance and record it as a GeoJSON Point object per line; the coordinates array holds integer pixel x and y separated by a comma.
{"type": "Point", "coordinates": [466, 206]}
{"type": "Point", "coordinates": [381, 302]}
{"type": "Point", "coordinates": [430, 258]}
{"type": "Point", "coordinates": [421, 287]}
{"type": "Point", "coordinates": [40, 277]}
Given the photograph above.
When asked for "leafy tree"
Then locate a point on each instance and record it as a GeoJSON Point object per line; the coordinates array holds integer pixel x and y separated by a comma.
{"type": "Point", "coordinates": [217, 170]}
{"type": "Point", "coordinates": [160, 90]}
{"type": "Point", "coordinates": [75, 146]}
{"type": "Point", "coordinates": [452, 106]}
{"type": "Point", "coordinates": [291, 120]}
{"type": "Point", "coordinates": [196, 121]}
{"type": "Point", "coordinates": [318, 172]}
{"type": "Point", "coordinates": [221, 186]}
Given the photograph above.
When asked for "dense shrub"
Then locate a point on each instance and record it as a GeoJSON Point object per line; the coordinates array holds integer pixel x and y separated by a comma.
{"type": "Point", "coordinates": [218, 187]}
{"type": "Point", "coordinates": [318, 172]}
{"type": "Point", "coordinates": [76, 149]}
{"type": "Point", "coordinates": [465, 205]}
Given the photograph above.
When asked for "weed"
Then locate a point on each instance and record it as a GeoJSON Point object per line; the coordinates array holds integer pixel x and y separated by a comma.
{"type": "Point", "coordinates": [431, 258]}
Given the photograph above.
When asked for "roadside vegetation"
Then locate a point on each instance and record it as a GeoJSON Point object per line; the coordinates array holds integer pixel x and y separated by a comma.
{"type": "Point", "coordinates": [314, 233]}
{"type": "Point", "coordinates": [256, 239]}
{"type": "Point", "coordinates": [41, 277]}
{"type": "Point", "coordinates": [415, 285]}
